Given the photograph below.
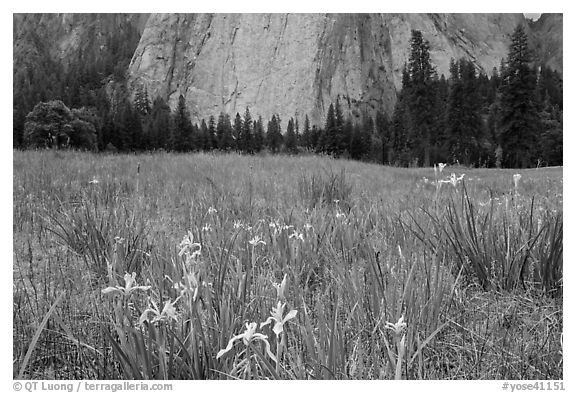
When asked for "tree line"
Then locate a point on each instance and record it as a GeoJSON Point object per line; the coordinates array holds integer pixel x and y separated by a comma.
{"type": "Point", "coordinates": [512, 118]}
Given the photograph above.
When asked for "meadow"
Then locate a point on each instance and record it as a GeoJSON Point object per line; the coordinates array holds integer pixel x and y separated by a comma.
{"type": "Point", "coordinates": [224, 266]}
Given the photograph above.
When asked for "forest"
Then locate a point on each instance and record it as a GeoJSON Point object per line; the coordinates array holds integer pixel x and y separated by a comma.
{"type": "Point", "coordinates": [510, 118]}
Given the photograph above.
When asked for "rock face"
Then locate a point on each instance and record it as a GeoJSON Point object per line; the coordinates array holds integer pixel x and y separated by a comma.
{"type": "Point", "coordinates": [62, 37]}
{"type": "Point", "coordinates": [297, 64]}
{"type": "Point", "coordinates": [547, 40]}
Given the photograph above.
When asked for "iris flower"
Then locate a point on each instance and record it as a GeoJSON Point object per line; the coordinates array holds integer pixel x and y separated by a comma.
{"type": "Point", "coordinates": [248, 336]}
{"type": "Point", "coordinates": [398, 327]}
{"type": "Point", "coordinates": [187, 244]}
{"type": "Point", "coordinates": [296, 235]}
{"type": "Point", "coordinates": [256, 240]}
{"type": "Point", "coordinates": [279, 321]}
{"type": "Point", "coordinates": [130, 286]}
{"type": "Point", "coordinates": [168, 312]}
{"type": "Point", "coordinates": [280, 288]}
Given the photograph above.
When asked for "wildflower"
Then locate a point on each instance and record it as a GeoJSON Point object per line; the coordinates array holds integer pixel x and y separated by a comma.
{"type": "Point", "coordinates": [247, 337]}
{"type": "Point", "coordinates": [207, 228]}
{"type": "Point", "coordinates": [256, 240]}
{"type": "Point", "coordinates": [237, 224]}
{"type": "Point", "coordinates": [279, 321]}
{"type": "Point", "coordinates": [398, 327]}
{"type": "Point", "coordinates": [296, 235]}
{"type": "Point", "coordinates": [187, 244]}
{"type": "Point", "coordinates": [280, 288]}
{"type": "Point", "coordinates": [516, 178]}
{"type": "Point", "coordinates": [340, 215]}
{"type": "Point", "coordinates": [129, 286]}
{"type": "Point", "coordinates": [211, 210]}
{"type": "Point", "coordinates": [441, 167]}
{"type": "Point", "coordinates": [453, 179]}
{"type": "Point", "coordinates": [307, 227]}
{"type": "Point", "coordinates": [425, 180]}
{"type": "Point", "coordinates": [93, 181]}
{"type": "Point", "coordinates": [167, 313]}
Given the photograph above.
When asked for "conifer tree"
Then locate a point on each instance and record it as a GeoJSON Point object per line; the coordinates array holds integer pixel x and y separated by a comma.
{"type": "Point", "coordinates": [183, 138]}
{"type": "Point", "coordinates": [519, 122]}
{"type": "Point", "coordinates": [237, 132]}
{"type": "Point", "coordinates": [160, 124]}
{"type": "Point", "coordinates": [224, 132]}
{"type": "Point", "coordinates": [315, 135]}
{"type": "Point", "coordinates": [420, 94]}
{"type": "Point", "coordinates": [329, 135]}
{"type": "Point", "coordinates": [306, 140]}
{"type": "Point", "coordinates": [212, 138]}
{"type": "Point", "coordinates": [384, 129]}
{"type": "Point", "coordinates": [247, 133]}
{"type": "Point", "coordinates": [258, 135]}
{"type": "Point", "coordinates": [205, 136]}
{"type": "Point", "coordinates": [340, 142]}
{"type": "Point", "coordinates": [400, 124]}
{"type": "Point", "coordinates": [290, 139]}
{"type": "Point", "coordinates": [273, 134]}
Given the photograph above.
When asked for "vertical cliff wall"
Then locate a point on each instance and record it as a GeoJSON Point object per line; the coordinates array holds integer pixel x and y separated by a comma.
{"type": "Point", "coordinates": [296, 64]}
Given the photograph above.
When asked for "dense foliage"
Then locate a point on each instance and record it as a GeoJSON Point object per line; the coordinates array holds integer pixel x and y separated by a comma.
{"type": "Point", "coordinates": [511, 119]}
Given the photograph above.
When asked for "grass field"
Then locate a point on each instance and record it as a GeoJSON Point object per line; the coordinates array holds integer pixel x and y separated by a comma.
{"type": "Point", "coordinates": [146, 266]}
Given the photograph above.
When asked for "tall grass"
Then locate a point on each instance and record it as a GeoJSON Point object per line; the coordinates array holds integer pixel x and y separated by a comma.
{"type": "Point", "coordinates": [363, 248]}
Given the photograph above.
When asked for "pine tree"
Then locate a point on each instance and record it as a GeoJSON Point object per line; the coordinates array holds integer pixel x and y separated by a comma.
{"type": "Point", "coordinates": [400, 124]}
{"type": "Point", "coordinates": [384, 129]}
{"type": "Point", "coordinates": [258, 135]}
{"type": "Point", "coordinates": [440, 125]}
{"type": "Point", "coordinates": [273, 134]}
{"type": "Point", "coordinates": [306, 134]}
{"type": "Point", "coordinates": [518, 123]}
{"type": "Point", "coordinates": [421, 96]}
{"type": "Point", "coordinates": [224, 132]}
{"type": "Point", "coordinates": [160, 124]}
{"type": "Point", "coordinates": [205, 136]}
{"type": "Point", "coordinates": [346, 136]}
{"type": "Point", "coordinates": [462, 119]}
{"type": "Point", "coordinates": [123, 122]}
{"type": "Point", "coordinates": [237, 132]}
{"type": "Point", "coordinates": [247, 133]}
{"type": "Point", "coordinates": [183, 137]}
{"type": "Point", "coordinates": [340, 141]}
{"type": "Point", "coordinates": [290, 139]}
{"type": "Point", "coordinates": [367, 132]}
{"type": "Point", "coordinates": [329, 135]}
{"type": "Point", "coordinates": [297, 132]}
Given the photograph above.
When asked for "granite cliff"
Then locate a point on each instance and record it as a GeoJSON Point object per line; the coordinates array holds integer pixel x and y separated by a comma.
{"type": "Point", "coordinates": [293, 64]}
